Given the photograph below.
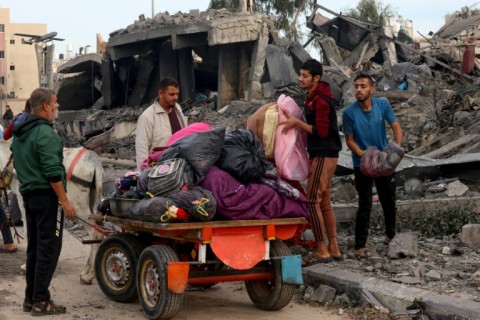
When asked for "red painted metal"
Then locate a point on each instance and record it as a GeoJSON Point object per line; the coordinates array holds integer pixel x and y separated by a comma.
{"type": "Point", "coordinates": [177, 276]}
{"type": "Point", "coordinates": [231, 278]}
{"type": "Point", "coordinates": [239, 248]}
{"type": "Point", "coordinates": [270, 232]}
{"type": "Point", "coordinates": [207, 235]}
{"type": "Point", "coordinates": [285, 232]}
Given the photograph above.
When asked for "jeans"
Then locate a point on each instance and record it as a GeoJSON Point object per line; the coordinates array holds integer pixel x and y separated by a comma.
{"type": "Point", "coordinates": [386, 187]}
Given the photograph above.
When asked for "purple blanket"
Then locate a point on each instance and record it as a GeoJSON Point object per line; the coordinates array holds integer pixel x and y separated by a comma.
{"type": "Point", "coordinates": [237, 201]}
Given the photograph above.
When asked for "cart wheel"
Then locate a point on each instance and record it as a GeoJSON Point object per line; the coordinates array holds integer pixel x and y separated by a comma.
{"type": "Point", "coordinates": [115, 265]}
{"type": "Point", "coordinates": [157, 302]}
{"type": "Point", "coordinates": [272, 294]}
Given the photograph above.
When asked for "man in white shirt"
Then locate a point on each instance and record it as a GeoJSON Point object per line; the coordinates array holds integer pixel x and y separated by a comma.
{"type": "Point", "coordinates": [159, 121]}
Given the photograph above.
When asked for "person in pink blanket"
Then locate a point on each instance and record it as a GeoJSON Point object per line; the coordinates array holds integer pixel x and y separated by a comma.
{"type": "Point", "coordinates": [323, 146]}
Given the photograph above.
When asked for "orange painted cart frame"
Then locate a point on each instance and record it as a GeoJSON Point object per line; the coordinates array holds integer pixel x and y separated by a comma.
{"type": "Point", "coordinates": [157, 261]}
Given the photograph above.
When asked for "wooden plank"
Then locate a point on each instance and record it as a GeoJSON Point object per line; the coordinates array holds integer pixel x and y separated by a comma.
{"type": "Point", "coordinates": [138, 225]}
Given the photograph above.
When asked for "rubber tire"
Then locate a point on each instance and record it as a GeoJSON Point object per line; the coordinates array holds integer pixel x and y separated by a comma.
{"type": "Point", "coordinates": [161, 304]}
{"type": "Point", "coordinates": [129, 248]}
{"type": "Point", "coordinates": [274, 294]}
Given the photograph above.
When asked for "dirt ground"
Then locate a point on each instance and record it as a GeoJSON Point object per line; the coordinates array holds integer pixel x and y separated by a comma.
{"type": "Point", "coordinates": [223, 301]}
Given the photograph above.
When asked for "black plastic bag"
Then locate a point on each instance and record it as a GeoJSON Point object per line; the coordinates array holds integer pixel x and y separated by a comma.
{"type": "Point", "coordinates": [198, 202]}
{"type": "Point", "coordinates": [243, 156]}
{"type": "Point", "coordinates": [152, 209]}
{"type": "Point", "coordinates": [142, 183]}
{"type": "Point", "coordinates": [200, 149]}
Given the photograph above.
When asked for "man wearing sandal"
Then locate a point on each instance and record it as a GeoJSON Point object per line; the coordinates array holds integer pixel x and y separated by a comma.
{"type": "Point", "coordinates": [38, 160]}
{"type": "Point", "coordinates": [323, 147]}
{"type": "Point", "coordinates": [364, 126]}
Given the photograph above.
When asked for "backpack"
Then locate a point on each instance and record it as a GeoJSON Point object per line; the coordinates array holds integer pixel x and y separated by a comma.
{"type": "Point", "coordinates": [169, 175]}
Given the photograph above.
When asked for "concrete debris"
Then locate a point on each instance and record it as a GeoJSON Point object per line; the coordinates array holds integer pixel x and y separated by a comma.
{"type": "Point", "coordinates": [323, 294]}
{"type": "Point", "coordinates": [456, 189]}
{"type": "Point", "coordinates": [470, 236]}
{"type": "Point", "coordinates": [446, 251]}
{"type": "Point", "coordinates": [403, 245]}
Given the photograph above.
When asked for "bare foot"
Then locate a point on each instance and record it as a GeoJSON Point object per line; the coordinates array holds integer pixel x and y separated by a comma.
{"type": "Point", "coordinates": [334, 251]}
{"type": "Point", "coordinates": [363, 253]}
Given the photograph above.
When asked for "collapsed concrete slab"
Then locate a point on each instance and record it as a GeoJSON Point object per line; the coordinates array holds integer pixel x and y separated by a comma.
{"type": "Point", "coordinates": [229, 50]}
{"type": "Point", "coordinates": [80, 85]}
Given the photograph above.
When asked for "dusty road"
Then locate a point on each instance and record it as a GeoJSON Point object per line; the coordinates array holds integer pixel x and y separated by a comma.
{"type": "Point", "coordinates": [224, 301]}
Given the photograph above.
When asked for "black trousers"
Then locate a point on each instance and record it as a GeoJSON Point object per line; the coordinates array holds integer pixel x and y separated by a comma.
{"type": "Point", "coordinates": [386, 187]}
{"type": "Point", "coordinates": [45, 230]}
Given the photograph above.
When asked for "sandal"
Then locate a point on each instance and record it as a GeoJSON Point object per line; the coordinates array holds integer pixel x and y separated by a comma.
{"type": "Point", "coordinates": [2, 250]}
{"type": "Point", "coordinates": [362, 253]}
{"type": "Point", "coordinates": [47, 308]}
{"type": "Point", "coordinates": [27, 305]}
{"type": "Point", "coordinates": [339, 258]}
{"type": "Point", "coordinates": [314, 258]}
{"type": "Point", "coordinates": [387, 240]}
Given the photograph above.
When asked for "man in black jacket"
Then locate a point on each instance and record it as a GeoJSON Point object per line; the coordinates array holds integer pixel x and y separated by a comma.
{"type": "Point", "coordinates": [323, 147]}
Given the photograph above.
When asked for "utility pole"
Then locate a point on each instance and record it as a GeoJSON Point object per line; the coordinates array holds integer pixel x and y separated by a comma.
{"type": "Point", "coordinates": [153, 9]}
{"type": "Point", "coordinates": [44, 52]}
{"type": "Point", "coordinates": [45, 60]}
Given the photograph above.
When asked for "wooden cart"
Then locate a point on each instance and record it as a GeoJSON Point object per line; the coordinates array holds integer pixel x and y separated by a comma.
{"type": "Point", "coordinates": [156, 261]}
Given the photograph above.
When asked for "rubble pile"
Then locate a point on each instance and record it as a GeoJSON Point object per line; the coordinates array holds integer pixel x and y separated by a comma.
{"type": "Point", "coordinates": [444, 266]}
{"type": "Point", "coordinates": [165, 19]}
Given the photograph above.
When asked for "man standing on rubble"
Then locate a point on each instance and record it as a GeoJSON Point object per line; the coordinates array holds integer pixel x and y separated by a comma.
{"type": "Point", "coordinates": [159, 121]}
{"type": "Point", "coordinates": [323, 147]}
{"type": "Point", "coordinates": [364, 126]}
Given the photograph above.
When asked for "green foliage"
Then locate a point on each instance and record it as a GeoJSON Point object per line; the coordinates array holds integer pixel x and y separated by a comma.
{"type": "Point", "coordinates": [228, 4]}
{"type": "Point", "coordinates": [371, 11]}
{"type": "Point", "coordinates": [444, 221]}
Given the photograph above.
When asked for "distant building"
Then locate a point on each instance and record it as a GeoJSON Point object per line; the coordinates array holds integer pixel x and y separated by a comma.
{"type": "Point", "coordinates": [18, 62]}
{"type": "Point", "coordinates": [398, 23]}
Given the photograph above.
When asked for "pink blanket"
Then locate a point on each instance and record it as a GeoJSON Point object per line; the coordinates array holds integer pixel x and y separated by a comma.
{"type": "Point", "coordinates": [291, 158]}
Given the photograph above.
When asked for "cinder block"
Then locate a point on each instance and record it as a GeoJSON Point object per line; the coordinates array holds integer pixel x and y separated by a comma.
{"type": "Point", "coordinates": [471, 235]}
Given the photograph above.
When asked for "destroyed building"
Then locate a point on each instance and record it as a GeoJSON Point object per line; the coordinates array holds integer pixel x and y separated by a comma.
{"type": "Point", "coordinates": [212, 51]}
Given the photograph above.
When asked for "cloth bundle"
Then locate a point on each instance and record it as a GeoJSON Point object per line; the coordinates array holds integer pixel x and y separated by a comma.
{"type": "Point", "coordinates": [376, 163]}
